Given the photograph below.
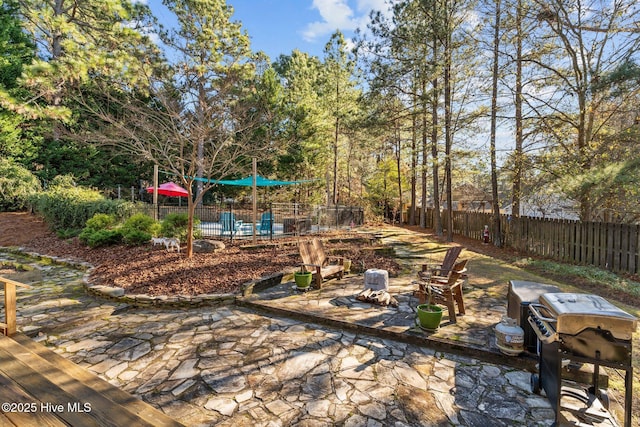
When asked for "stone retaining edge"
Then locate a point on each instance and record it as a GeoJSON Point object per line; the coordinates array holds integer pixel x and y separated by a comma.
{"type": "Point", "coordinates": [520, 362]}
{"type": "Point", "coordinates": [114, 293]}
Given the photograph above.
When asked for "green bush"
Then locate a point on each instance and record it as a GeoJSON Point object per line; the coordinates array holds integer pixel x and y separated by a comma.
{"type": "Point", "coordinates": [142, 222]}
{"type": "Point", "coordinates": [17, 185]}
{"type": "Point", "coordinates": [135, 237]}
{"type": "Point", "coordinates": [65, 206]}
{"type": "Point", "coordinates": [139, 228]}
{"type": "Point", "coordinates": [175, 225]}
{"type": "Point", "coordinates": [93, 234]}
{"type": "Point", "coordinates": [103, 238]}
{"type": "Point", "coordinates": [67, 233]}
{"type": "Point", "coordinates": [101, 221]}
{"type": "Point", "coordinates": [85, 235]}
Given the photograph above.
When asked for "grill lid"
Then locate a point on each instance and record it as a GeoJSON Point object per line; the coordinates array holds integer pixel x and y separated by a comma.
{"type": "Point", "coordinates": [576, 312]}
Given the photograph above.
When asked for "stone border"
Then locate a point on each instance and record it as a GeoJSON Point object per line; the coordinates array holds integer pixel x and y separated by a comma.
{"type": "Point", "coordinates": [144, 300]}
{"type": "Point", "coordinates": [266, 282]}
{"type": "Point", "coordinates": [524, 361]}
{"type": "Point", "coordinates": [65, 262]}
{"type": "Point", "coordinates": [113, 293]}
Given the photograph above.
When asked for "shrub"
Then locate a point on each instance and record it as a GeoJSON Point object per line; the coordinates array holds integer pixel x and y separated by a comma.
{"type": "Point", "coordinates": [103, 238]}
{"type": "Point", "coordinates": [67, 233]}
{"type": "Point", "coordinates": [17, 185]}
{"type": "Point", "coordinates": [175, 225]}
{"type": "Point", "coordinates": [135, 237]}
{"type": "Point", "coordinates": [142, 222]}
{"type": "Point", "coordinates": [139, 228]}
{"type": "Point", "coordinates": [94, 234]}
{"type": "Point", "coordinates": [65, 206]}
{"type": "Point", "coordinates": [100, 221]}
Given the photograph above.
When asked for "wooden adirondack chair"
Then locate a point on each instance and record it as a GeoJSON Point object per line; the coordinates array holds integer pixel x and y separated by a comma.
{"type": "Point", "coordinates": [445, 290]}
{"type": "Point", "coordinates": [314, 259]}
{"type": "Point", "coordinates": [443, 269]}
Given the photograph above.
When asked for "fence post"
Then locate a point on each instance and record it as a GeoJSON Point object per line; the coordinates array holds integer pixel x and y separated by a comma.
{"type": "Point", "coordinates": [10, 325]}
{"type": "Point", "coordinates": [272, 221]}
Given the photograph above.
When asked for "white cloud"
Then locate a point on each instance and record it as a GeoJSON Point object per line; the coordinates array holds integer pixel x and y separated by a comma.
{"type": "Point", "coordinates": [335, 14]}
{"type": "Point", "coordinates": [339, 15]}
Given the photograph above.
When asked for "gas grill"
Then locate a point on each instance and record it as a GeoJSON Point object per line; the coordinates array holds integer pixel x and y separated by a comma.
{"type": "Point", "coordinates": [582, 329]}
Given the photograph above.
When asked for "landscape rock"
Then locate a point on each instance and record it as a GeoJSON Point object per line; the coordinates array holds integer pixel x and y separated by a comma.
{"type": "Point", "coordinates": [205, 246]}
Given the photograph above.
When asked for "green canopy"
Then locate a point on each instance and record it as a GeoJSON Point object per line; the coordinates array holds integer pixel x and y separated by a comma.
{"type": "Point", "coordinates": [260, 182]}
{"type": "Point", "coordinates": [248, 181]}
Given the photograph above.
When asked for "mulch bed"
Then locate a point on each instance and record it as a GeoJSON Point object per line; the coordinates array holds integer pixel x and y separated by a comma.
{"type": "Point", "coordinates": [156, 271]}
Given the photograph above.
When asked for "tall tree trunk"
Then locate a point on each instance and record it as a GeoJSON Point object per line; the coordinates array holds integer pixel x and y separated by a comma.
{"type": "Point", "coordinates": [497, 234]}
{"type": "Point", "coordinates": [202, 103]}
{"type": "Point", "coordinates": [191, 208]}
{"type": "Point", "coordinates": [435, 168]}
{"type": "Point", "coordinates": [437, 218]}
{"type": "Point", "coordinates": [335, 162]}
{"type": "Point", "coordinates": [398, 166]}
{"type": "Point", "coordinates": [519, 155]}
{"type": "Point", "coordinates": [448, 131]}
{"type": "Point", "coordinates": [425, 156]}
{"type": "Point", "coordinates": [414, 162]}
{"type": "Point", "coordinates": [335, 145]}
{"type": "Point", "coordinates": [349, 160]}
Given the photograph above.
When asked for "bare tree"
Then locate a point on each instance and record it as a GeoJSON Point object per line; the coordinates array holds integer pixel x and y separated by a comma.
{"type": "Point", "coordinates": [199, 115]}
{"type": "Point", "coordinates": [580, 42]}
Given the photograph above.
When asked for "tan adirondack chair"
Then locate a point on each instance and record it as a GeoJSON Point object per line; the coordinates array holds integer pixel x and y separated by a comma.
{"type": "Point", "coordinates": [445, 290]}
{"type": "Point", "coordinates": [314, 259]}
{"type": "Point", "coordinates": [449, 260]}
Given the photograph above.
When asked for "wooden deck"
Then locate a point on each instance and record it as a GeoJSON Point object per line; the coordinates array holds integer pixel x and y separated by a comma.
{"type": "Point", "coordinates": [41, 388]}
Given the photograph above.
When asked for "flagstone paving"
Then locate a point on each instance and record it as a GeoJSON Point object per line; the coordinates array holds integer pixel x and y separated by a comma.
{"type": "Point", "coordinates": [284, 358]}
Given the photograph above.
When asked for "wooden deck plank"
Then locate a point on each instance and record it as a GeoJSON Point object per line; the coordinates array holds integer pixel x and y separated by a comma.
{"type": "Point", "coordinates": [43, 390]}
{"type": "Point", "coordinates": [4, 421]}
{"type": "Point", "coordinates": [132, 403]}
{"type": "Point", "coordinates": [28, 412]}
{"type": "Point", "coordinates": [48, 384]}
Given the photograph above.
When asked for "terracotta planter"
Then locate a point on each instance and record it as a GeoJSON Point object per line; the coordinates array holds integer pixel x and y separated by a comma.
{"type": "Point", "coordinates": [429, 316]}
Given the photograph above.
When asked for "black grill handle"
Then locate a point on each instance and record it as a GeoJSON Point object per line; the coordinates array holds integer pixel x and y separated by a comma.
{"type": "Point", "coordinates": [536, 309]}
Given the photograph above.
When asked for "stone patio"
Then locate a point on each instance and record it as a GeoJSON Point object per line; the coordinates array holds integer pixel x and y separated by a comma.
{"type": "Point", "coordinates": [283, 357]}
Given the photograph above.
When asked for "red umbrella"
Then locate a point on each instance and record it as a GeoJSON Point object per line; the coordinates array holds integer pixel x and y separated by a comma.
{"type": "Point", "coordinates": [170, 189]}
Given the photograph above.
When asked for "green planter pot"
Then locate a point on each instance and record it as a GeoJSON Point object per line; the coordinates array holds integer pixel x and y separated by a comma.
{"type": "Point", "coordinates": [303, 280]}
{"type": "Point", "coordinates": [429, 316]}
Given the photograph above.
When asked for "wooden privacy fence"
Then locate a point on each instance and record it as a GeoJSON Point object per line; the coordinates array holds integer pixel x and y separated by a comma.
{"type": "Point", "coordinates": [609, 246]}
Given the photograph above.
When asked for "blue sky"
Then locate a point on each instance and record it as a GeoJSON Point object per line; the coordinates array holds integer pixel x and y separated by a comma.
{"type": "Point", "coordinates": [280, 26]}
